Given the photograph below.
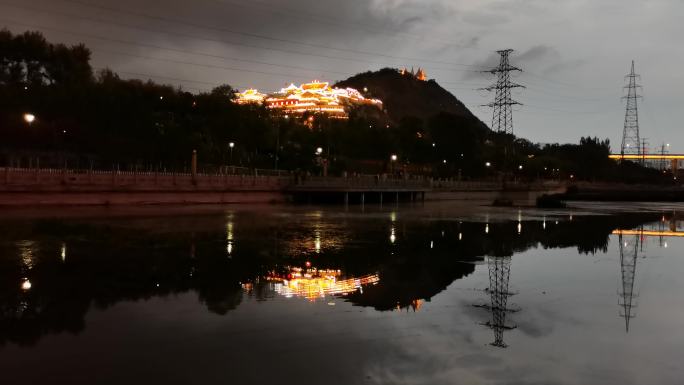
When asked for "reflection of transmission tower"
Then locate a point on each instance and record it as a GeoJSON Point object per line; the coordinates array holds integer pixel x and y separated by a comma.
{"type": "Point", "coordinates": [628, 260]}
{"type": "Point", "coordinates": [502, 117]}
{"type": "Point", "coordinates": [631, 142]}
{"type": "Point", "coordinates": [499, 272]}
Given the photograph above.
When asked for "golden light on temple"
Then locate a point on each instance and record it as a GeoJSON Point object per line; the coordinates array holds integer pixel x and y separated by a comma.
{"type": "Point", "coordinates": [419, 75]}
{"type": "Point", "coordinates": [314, 97]}
{"type": "Point", "coordinates": [313, 283]}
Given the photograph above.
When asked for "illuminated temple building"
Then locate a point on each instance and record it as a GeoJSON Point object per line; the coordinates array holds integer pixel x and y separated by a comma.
{"type": "Point", "coordinates": [420, 74]}
{"type": "Point", "coordinates": [316, 97]}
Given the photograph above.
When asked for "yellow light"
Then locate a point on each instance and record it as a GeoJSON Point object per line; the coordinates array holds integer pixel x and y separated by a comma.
{"type": "Point", "coordinates": [29, 118]}
{"type": "Point", "coordinates": [26, 285]}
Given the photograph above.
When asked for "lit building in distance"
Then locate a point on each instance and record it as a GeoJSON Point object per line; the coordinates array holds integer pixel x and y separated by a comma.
{"type": "Point", "coordinates": [250, 96]}
{"type": "Point", "coordinates": [314, 97]}
{"type": "Point", "coordinates": [420, 74]}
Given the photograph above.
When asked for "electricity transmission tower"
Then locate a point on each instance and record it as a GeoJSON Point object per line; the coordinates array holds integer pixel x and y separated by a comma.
{"type": "Point", "coordinates": [631, 142]}
{"type": "Point", "coordinates": [502, 116]}
{"type": "Point", "coordinates": [499, 272]}
{"type": "Point", "coordinates": [628, 260]}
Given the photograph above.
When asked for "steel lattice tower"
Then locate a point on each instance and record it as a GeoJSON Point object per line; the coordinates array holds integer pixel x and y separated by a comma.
{"type": "Point", "coordinates": [631, 142]}
{"type": "Point", "coordinates": [499, 272]}
{"type": "Point", "coordinates": [502, 116]}
{"type": "Point", "coordinates": [628, 260]}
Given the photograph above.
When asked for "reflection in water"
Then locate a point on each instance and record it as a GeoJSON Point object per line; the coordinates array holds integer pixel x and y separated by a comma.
{"type": "Point", "coordinates": [629, 251]}
{"type": "Point", "coordinates": [63, 252]}
{"type": "Point", "coordinates": [229, 235]}
{"type": "Point", "coordinates": [27, 251]}
{"type": "Point", "coordinates": [499, 273]}
{"type": "Point", "coordinates": [312, 283]}
{"type": "Point", "coordinates": [42, 293]}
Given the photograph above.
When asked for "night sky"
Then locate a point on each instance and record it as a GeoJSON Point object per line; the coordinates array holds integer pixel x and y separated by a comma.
{"type": "Point", "coordinates": [574, 53]}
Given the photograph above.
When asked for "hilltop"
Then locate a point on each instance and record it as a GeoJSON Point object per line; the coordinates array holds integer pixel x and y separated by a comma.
{"type": "Point", "coordinates": [404, 95]}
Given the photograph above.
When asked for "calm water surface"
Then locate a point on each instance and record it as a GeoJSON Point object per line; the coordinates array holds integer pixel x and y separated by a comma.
{"type": "Point", "coordinates": [437, 294]}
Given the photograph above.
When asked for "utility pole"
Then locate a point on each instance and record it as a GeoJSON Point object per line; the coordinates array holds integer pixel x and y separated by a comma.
{"type": "Point", "coordinates": [644, 146]}
{"type": "Point", "coordinates": [502, 116]}
{"type": "Point", "coordinates": [631, 142]}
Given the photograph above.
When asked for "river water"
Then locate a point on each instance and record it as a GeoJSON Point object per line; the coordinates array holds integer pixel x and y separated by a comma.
{"type": "Point", "coordinates": [425, 294]}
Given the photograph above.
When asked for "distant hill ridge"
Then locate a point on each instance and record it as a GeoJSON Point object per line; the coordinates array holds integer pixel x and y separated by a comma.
{"type": "Point", "coordinates": [404, 95]}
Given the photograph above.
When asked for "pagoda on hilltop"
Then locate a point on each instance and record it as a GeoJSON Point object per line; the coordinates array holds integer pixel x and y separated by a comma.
{"type": "Point", "coordinates": [419, 74]}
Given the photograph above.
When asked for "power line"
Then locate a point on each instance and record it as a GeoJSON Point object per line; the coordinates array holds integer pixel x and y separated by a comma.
{"type": "Point", "coordinates": [100, 20]}
{"type": "Point", "coordinates": [162, 48]}
{"type": "Point", "coordinates": [327, 21]}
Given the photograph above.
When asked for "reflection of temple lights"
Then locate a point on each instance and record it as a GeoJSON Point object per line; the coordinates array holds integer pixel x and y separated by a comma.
{"type": "Point", "coordinates": [393, 237]}
{"type": "Point", "coordinates": [27, 250]}
{"type": "Point", "coordinates": [317, 241]}
{"type": "Point", "coordinates": [26, 285]}
{"type": "Point", "coordinates": [63, 252]}
{"type": "Point", "coordinates": [393, 216]}
{"type": "Point", "coordinates": [314, 283]}
{"type": "Point", "coordinates": [229, 235]}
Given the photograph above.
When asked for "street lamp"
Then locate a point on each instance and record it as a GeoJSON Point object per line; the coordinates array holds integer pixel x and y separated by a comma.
{"type": "Point", "coordinates": [394, 158]}
{"type": "Point", "coordinates": [488, 164]}
{"type": "Point", "coordinates": [319, 150]}
{"type": "Point", "coordinates": [29, 118]}
{"type": "Point", "coordinates": [231, 145]}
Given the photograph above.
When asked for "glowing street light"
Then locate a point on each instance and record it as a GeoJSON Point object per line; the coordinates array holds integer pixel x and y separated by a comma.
{"type": "Point", "coordinates": [29, 118]}
{"type": "Point", "coordinates": [488, 164]}
{"type": "Point", "coordinates": [319, 150]}
{"type": "Point", "coordinates": [394, 157]}
{"type": "Point", "coordinates": [231, 145]}
{"type": "Point", "coordinates": [26, 285]}
{"type": "Point", "coordinates": [520, 167]}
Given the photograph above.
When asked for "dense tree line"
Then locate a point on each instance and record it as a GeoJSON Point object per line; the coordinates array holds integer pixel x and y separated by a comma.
{"type": "Point", "coordinates": [100, 120]}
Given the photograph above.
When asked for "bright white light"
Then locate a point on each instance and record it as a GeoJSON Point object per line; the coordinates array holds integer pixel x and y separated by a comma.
{"type": "Point", "coordinates": [487, 164]}
{"type": "Point", "coordinates": [231, 144]}
{"type": "Point", "coordinates": [319, 150]}
{"type": "Point", "coordinates": [460, 236]}
{"type": "Point", "coordinates": [26, 285]}
{"type": "Point", "coordinates": [519, 227]}
{"type": "Point", "coordinates": [63, 252]}
{"type": "Point", "coordinates": [520, 167]}
{"type": "Point", "coordinates": [29, 118]}
{"type": "Point", "coordinates": [487, 228]}
{"type": "Point", "coordinates": [393, 157]}
{"type": "Point", "coordinates": [665, 245]}
{"type": "Point", "coordinates": [444, 161]}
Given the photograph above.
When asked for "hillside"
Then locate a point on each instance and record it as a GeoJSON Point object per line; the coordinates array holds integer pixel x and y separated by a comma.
{"type": "Point", "coordinates": [406, 96]}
